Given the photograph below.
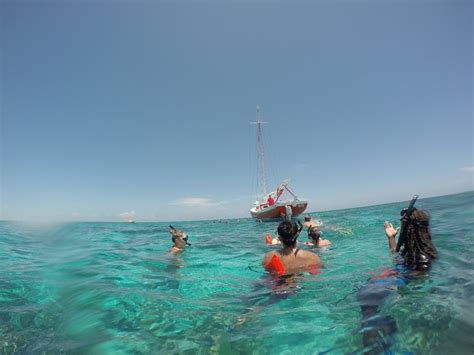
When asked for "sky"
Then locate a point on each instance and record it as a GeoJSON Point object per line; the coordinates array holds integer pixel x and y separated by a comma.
{"type": "Point", "coordinates": [142, 110]}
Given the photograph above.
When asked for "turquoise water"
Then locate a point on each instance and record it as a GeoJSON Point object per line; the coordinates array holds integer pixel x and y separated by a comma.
{"type": "Point", "coordinates": [110, 287]}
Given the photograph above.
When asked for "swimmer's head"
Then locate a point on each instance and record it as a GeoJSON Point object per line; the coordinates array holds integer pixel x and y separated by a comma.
{"type": "Point", "coordinates": [288, 232]}
{"type": "Point", "coordinates": [314, 233]}
{"type": "Point", "coordinates": [418, 248]}
{"type": "Point", "coordinates": [307, 219]}
{"type": "Point", "coordinates": [179, 237]}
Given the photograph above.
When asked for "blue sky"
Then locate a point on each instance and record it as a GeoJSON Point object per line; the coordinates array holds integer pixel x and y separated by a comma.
{"type": "Point", "coordinates": [142, 109]}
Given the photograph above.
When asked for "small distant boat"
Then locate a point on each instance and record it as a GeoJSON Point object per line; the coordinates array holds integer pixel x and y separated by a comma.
{"type": "Point", "coordinates": [130, 221]}
{"type": "Point", "coordinates": [271, 205]}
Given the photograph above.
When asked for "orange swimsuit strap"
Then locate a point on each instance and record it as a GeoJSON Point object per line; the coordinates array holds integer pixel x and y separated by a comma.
{"type": "Point", "coordinates": [275, 265]}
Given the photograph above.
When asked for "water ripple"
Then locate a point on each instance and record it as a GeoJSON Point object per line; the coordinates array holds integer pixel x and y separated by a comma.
{"type": "Point", "coordinates": [111, 287]}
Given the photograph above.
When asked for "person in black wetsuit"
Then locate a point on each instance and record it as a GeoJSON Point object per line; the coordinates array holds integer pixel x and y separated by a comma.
{"type": "Point", "coordinates": [416, 252]}
{"type": "Point", "coordinates": [418, 248]}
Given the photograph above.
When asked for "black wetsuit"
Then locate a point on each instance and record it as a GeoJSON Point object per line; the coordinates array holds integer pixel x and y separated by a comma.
{"type": "Point", "coordinates": [378, 329]}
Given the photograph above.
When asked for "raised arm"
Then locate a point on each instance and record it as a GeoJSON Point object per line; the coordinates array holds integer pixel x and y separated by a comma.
{"type": "Point", "coordinates": [391, 233]}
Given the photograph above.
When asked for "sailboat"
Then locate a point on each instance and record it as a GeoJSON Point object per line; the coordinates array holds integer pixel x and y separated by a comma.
{"type": "Point", "coordinates": [271, 205]}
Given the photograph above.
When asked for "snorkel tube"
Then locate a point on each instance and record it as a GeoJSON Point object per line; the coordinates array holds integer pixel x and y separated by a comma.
{"type": "Point", "coordinates": [300, 228]}
{"type": "Point", "coordinates": [186, 241]}
{"type": "Point", "coordinates": [288, 232]}
{"type": "Point", "coordinates": [184, 235]}
{"type": "Point", "coordinates": [405, 213]}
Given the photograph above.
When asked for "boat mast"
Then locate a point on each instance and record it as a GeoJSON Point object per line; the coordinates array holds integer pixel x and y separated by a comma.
{"type": "Point", "coordinates": [261, 152]}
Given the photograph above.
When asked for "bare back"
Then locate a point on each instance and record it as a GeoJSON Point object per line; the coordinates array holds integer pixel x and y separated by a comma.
{"type": "Point", "coordinates": [293, 260]}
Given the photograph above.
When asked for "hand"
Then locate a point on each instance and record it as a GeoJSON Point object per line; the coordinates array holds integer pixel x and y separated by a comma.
{"type": "Point", "coordinates": [389, 230]}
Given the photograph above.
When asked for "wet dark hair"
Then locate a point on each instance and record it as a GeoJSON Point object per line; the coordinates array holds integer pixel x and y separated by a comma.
{"type": "Point", "coordinates": [289, 232]}
{"type": "Point", "coordinates": [307, 218]}
{"type": "Point", "coordinates": [418, 248]}
{"type": "Point", "coordinates": [314, 233]}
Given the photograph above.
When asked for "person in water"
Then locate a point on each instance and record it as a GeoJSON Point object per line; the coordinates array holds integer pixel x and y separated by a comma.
{"type": "Point", "coordinates": [418, 248]}
{"type": "Point", "coordinates": [413, 261]}
{"type": "Point", "coordinates": [290, 259]}
{"type": "Point", "coordinates": [315, 240]}
{"type": "Point", "coordinates": [179, 239]}
{"type": "Point", "coordinates": [309, 222]}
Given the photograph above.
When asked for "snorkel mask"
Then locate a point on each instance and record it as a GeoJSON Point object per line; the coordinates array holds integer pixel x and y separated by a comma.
{"type": "Point", "coordinates": [314, 233]}
{"type": "Point", "coordinates": [300, 228]}
{"type": "Point", "coordinates": [179, 234]}
{"type": "Point", "coordinates": [405, 218]}
{"type": "Point", "coordinates": [186, 240]}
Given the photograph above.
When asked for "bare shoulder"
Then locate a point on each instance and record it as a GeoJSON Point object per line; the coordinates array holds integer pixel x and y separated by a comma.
{"type": "Point", "coordinates": [315, 259]}
{"type": "Point", "coordinates": [267, 257]}
{"type": "Point", "coordinates": [324, 243]}
{"type": "Point", "coordinates": [310, 256]}
{"type": "Point", "coordinates": [304, 253]}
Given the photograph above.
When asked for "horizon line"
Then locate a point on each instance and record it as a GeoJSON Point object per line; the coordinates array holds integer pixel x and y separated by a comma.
{"type": "Point", "coordinates": [226, 219]}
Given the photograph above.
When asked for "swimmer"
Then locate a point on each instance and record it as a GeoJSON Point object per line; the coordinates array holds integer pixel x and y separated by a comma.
{"type": "Point", "coordinates": [415, 238]}
{"type": "Point", "coordinates": [413, 261]}
{"type": "Point", "coordinates": [315, 240]}
{"type": "Point", "coordinates": [290, 259]}
{"type": "Point", "coordinates": [309, 222]}
{"type": "Point", "coordinates": [179, 239]}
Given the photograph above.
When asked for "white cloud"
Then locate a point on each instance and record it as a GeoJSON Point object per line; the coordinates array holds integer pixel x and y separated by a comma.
{"type": "Point", "coordinates": [197, 202]}
{"type": "Point", "coordinates": [127, 215]}
{"type": "Point", "coordinates": [469, 169]}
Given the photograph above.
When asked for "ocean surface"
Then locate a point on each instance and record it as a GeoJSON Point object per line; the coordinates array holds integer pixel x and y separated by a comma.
{"type": "Point", "coordinates": [101, 288]}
